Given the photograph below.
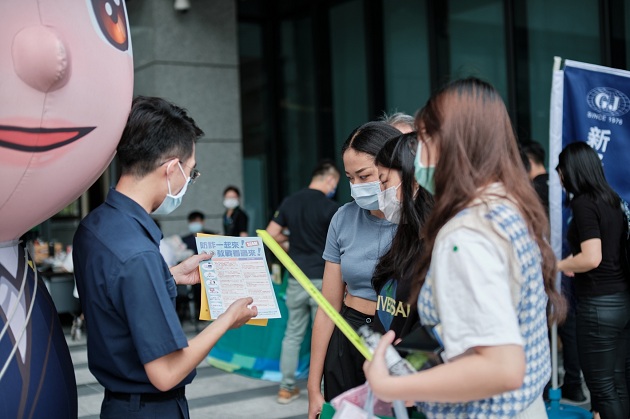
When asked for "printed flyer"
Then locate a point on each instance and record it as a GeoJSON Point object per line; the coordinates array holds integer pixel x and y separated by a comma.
{"type": "Point", "coordinates": [238, 269]}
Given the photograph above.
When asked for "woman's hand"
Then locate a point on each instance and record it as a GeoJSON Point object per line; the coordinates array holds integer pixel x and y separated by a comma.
{"type": "Point", "coordinates": [561, 266]}
{"type": "Point", "coordinates": [376, 371]}
{"type": "Point", "coordinates": [589, 258]}
{"type": "Point", "coordinates": [315, 403]}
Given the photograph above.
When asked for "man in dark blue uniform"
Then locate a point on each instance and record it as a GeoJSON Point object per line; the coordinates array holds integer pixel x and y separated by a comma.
{"type": "Point", "coordinates": [136, 347]}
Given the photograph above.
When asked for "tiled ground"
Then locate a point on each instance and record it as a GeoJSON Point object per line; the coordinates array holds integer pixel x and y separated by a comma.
{"type": "Point", "coordinates": [212, 394]}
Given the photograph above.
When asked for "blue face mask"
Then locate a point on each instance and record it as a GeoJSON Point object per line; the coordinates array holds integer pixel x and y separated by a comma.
{"type": "Point", "coordinates": [424, 174]}
{"type": "Point", "coordinates": [171, 202]}
{"type": "Point", "coordinates": [331, 194]}
{"type": "Point", "coordinates": [195, 227]}
{"type": "Point", "coordinates": [366, 194]}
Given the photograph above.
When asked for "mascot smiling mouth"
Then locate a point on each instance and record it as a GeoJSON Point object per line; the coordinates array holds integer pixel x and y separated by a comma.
{"type": "Point", "coordinates": [39, 139]}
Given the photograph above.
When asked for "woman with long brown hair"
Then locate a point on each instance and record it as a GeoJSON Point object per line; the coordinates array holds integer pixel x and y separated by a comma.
{"type": "Point", "coordinates": [487, 272]}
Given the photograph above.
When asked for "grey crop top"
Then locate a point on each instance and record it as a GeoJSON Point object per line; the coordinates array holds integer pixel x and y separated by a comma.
{"type": "Point", "coordinates": [356, 240]}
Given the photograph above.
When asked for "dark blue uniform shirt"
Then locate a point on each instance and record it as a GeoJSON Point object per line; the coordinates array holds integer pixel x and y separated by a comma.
{"type": "Point", "coordinates": [127, 295]}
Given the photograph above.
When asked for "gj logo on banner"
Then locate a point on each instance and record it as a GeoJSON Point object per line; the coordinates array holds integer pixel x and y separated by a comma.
{"type": "Point", "coordinates": [595, 109]}
{"type": "Point", "coordinates": [608, 101]}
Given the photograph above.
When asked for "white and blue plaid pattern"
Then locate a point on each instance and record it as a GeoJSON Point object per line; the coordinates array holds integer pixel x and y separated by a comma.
{"type": "Point", "coordinates": [531, 312]}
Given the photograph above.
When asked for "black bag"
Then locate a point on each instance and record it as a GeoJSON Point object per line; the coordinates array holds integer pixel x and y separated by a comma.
{"type": "Point", "coordinates": [625, 239]}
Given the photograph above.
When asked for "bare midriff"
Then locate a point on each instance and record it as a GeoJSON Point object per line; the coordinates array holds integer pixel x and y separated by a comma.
{"type": "Point", "coordinates": [360, 304]}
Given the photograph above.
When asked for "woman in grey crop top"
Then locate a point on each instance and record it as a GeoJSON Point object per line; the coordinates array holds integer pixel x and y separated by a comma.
{"type": "Point", "coordinates": [358, 235]}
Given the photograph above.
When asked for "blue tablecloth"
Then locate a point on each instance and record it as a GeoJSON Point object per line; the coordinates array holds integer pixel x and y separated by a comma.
{"type": "Point", "coordinates": [254, 351]}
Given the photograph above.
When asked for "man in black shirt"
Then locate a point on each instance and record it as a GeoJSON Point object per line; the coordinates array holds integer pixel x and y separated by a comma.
{"type": "Point", "coordinates": [306, 215]}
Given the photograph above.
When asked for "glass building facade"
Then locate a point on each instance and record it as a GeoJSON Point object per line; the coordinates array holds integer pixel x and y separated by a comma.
{"type": "Point", "coordinates": [311, 71]}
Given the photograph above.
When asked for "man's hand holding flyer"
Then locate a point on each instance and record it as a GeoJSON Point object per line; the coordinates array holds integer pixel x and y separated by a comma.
{"type": "Point", "coordinates": [238, 269]}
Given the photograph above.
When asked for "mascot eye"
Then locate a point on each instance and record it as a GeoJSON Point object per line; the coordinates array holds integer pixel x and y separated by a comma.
{"type": "Point", "coordinates": [112, 19]}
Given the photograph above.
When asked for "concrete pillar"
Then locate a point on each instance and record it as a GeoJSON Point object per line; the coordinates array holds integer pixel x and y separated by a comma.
{"type": "Point", "coordinates": [191, 59]}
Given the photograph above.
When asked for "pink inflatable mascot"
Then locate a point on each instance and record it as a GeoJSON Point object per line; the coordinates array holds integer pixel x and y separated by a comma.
{"type": "Point", "coordinates": [66, 79]}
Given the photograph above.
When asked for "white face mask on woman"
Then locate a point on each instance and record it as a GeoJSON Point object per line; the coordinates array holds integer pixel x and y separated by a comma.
{"type": "Point", "coordinates": [230, 203]}
{"type": "Point", "coordinates": [366, 194]}
{"type": "Point", "coordinates": [171, 202]}
{"type": "Point", "coordinates": [389, 204]}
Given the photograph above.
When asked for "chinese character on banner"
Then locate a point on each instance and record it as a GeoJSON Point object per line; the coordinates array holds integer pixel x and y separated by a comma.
{"type": "Point", "coordinates": [598, 140]}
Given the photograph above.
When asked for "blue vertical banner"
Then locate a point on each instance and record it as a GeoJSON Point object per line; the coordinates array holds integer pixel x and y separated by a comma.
{"type": "Point", "coordinates": [596, 110]}
{"type": "Point", "coordinates": [589, 103]}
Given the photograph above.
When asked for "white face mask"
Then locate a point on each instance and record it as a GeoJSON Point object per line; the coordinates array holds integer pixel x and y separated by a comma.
{"type": "Point", "coordinates": [171, 202]}
{"type": "Point", "coordinates": [230, 203]}
{"type": "Point", "coordinates": [366, 194]}
{"type": "Point", "coordinates": [389, 204]}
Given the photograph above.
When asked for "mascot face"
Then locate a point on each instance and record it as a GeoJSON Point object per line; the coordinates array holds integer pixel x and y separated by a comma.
{"type": "Point", "coordinates": [66, 81]}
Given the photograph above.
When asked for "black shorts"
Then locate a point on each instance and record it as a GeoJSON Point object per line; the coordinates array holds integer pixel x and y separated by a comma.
{"type": "Point", "coordinates": [343, 365]}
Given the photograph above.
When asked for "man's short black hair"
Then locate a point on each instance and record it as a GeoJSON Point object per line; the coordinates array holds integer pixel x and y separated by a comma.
{"type": "Point", "coordinates": [196, 215]}
{"type": "Point", "coordinates": [156, 131]}
{"type": "Point", "coordinates": [535, 152]}
{"type": "Point", "coordinates": [324, 168]}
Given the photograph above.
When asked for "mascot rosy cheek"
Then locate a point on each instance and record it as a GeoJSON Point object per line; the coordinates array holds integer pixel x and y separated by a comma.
{"type": "Point", "coordinates": [66, 80]}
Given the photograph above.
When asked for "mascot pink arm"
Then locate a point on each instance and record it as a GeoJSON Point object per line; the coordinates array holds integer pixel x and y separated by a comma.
{"type": "Point", "coordinates": [66, 81]}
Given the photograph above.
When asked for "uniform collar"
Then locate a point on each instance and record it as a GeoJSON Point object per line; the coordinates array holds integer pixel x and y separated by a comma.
{"type": "Point", "coordinates": [130, 207]}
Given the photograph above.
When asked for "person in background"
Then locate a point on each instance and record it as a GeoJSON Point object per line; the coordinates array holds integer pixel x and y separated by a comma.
{"type": "Point", "coordinates": [357, 237]}
{"type": "Point", "coordinates": [405, 203]}
{"type": "Point", "coordinates": [572, 381]}
{"type": "Point", "coordinates": [537, 171]}
{"type": "Point", "coordinates": [174, 250]}
{"type": "Point", "coordinates": [166, 250]}
{"type": "Point", "coordinates": [487, 271]}
{"type": "Point", "coordinates": [603, 297]}
{"type": "Point", "coordinates": [234, 218]}
{"type": "Point", "coordinates": [191, 293]}
{"type": "Point", "coordinates": [306, 214]}
{"type": "Point", "coordinates": [137, 349]}
{"type": "Point", "coordinates": [196, 225]}
{"type": "Point", "coordinates": [401, 121]}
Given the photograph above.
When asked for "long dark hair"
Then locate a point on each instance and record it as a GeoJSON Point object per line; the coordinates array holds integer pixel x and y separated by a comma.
{"type": "Point", "coordinates": [369, 138]}
{"type": "Point", "coordinates": [400, 262]}
{"type": "Point", "coordinates": [471, 128]}
{"type": "Point", "coordinates": [582, 173]}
